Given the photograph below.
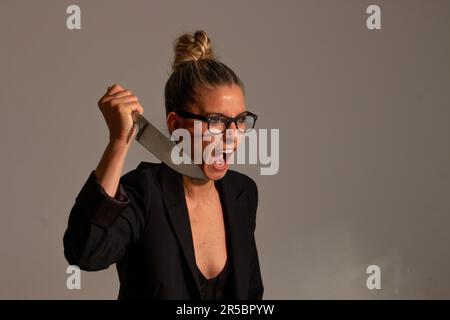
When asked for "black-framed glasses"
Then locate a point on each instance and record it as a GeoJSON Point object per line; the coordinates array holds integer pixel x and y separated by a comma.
{"type": "Point", "coordinates": [219, 123]}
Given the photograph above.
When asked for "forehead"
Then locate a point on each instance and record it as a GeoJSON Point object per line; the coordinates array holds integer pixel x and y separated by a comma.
{"type": "Point", "coordinates": [227, 100]}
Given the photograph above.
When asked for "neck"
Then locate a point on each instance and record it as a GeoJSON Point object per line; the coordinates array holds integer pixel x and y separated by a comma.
{"type": "Point", "coordinates": [198, 189]}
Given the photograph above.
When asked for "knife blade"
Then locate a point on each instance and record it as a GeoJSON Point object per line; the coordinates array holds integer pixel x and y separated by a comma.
{"type": "Point", "coordinates": [161, 147]}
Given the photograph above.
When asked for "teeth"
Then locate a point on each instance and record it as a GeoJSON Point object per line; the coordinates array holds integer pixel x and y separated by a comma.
{"type": "Point", "coordinates": [223, 157]}
{"type": "Point", "coordinates": [219, 159]}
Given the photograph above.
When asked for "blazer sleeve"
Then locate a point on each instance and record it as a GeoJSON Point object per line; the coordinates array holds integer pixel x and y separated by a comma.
{"type": "Point", "coordinates": [256, 287]}
{"type": "Point", "coordinates": [101, 227]}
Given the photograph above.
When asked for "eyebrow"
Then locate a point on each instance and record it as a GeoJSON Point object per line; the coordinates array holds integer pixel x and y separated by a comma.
{"type": "Point", "coordinates": [221, 114]}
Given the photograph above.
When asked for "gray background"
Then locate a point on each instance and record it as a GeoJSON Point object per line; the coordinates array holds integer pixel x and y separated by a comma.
{"type": "Point", "coordinates": [364, 121]}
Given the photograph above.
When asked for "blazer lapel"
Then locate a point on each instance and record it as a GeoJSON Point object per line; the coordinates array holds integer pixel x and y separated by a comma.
{"type": "Point", "coordinates": [174, 199]}
{"type": "Point", "coordinates": [236, 221]}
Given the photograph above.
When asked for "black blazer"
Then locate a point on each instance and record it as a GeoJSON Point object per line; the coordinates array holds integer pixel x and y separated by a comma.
{"type": "Point", "coordinates": [147, 234]}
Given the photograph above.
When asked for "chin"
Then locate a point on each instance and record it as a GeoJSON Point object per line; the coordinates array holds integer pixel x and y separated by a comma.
{"type": "Point", "coordinates": [213, 172]}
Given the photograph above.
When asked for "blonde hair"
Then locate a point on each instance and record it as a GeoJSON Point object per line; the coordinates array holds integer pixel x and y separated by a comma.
{"type": "Point", "coordinates": [190, 47]}
{"type": "Point", "coordinates": [195, 66]}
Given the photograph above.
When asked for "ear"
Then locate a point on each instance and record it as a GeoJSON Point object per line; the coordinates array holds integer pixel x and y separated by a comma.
{"type": "Point", "coordinates": [173, 121]}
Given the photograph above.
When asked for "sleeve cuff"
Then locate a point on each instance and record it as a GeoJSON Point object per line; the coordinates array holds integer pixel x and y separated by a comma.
{"type": "Point", "coordinates": [101, 208]}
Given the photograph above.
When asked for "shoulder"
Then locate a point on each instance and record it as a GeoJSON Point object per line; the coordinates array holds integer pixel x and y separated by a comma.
{"type": "Point", "coordinates": [146, 176]}
{"type": "Point", "coordinates": [245, 185]}
{"type": "Point", "coordinates": [149, 168]}
{"type": "Point", "coordinates": [143, 176]}
{"type": "Point", "coordinates": [240, 177]}
{"type": "Point", "coordinates": [243, 181]}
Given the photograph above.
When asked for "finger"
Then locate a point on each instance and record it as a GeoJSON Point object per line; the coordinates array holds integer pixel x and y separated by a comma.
{"type": "Point", "coordinates": [114, 89]}
{"type": "Point", "coordinates": [130, 106]}
{"type": "Point", "coordinates": [121, 94]}
{"type": "Point", "coordinates": [124, 99]}
{"type": "Point", "coordinates": [140, 109]}
{"type": "Point", "coordinates": [111, 90]}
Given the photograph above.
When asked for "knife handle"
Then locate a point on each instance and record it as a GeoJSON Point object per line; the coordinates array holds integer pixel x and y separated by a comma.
{"type": "Point", "coordinates": [140, 121]}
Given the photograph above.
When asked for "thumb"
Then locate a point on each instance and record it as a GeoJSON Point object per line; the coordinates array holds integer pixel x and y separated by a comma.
{"type": "Point", "coordinates": [114, 89]}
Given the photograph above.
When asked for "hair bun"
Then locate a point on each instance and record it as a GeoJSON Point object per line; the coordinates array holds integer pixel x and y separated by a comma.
{"type": "Point", "coordinates": [192, 47]}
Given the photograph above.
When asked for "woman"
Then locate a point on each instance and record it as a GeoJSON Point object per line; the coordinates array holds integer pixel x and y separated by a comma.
{"type": "Point", "coordinates": [172, 237]}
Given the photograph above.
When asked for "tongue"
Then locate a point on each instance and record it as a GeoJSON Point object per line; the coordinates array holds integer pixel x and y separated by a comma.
{"type": "Point", "coordinates": [219, 166]}
{"type": "Point", "coordinates": [219, 163]}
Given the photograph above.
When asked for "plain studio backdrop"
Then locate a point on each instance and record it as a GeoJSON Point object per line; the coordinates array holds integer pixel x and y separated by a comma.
{"type": "Point", "coordinates": [363, 117]}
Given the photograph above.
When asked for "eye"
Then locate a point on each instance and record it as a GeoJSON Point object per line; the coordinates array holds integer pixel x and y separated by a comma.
{"type": "Point", "coordinates": [245, 122]}
{"type": "Point", "coordinates": [241, 119]}
{"type": "Point", "coordinates": [216, 124]}
{"type": "Point", "coordinates": [215, 119]}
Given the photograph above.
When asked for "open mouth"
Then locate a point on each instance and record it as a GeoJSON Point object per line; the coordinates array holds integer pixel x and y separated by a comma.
{"type": "Point", "coordinates": [221, 160]}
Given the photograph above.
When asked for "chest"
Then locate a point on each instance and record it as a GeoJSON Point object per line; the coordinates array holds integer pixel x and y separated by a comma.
{"type": "Point", "coordinates": [209, 236]}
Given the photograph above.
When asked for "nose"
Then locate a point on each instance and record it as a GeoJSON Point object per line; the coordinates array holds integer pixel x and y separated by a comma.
{"type": "Point", "coordinates": [231, 137]}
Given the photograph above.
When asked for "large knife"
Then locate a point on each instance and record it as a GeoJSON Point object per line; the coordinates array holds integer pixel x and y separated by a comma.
{"type": "Point", "coordinates": [161, 147]}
